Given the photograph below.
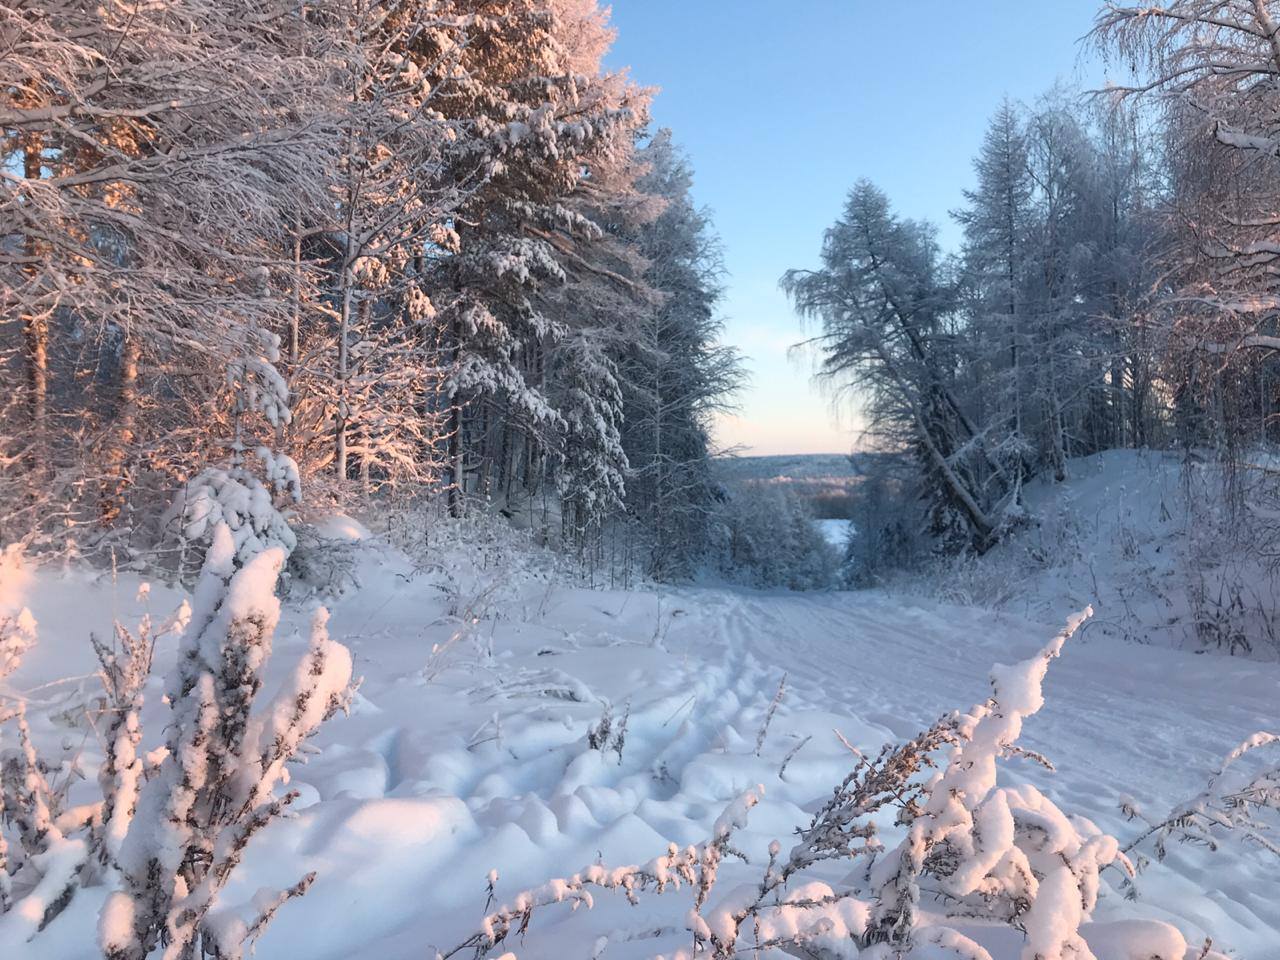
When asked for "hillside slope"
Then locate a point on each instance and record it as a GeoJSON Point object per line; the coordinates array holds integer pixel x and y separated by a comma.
{"type": "Point", "coordinates": [1143, 538]}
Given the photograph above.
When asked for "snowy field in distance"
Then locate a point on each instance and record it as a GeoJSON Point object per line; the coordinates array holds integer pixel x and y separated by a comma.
{"type": "Point", "coordinates": [835, 532]}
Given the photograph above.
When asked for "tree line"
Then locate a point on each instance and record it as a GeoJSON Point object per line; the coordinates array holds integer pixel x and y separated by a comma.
{"type": "Point", "coordinates": [426, 248]}
{"type": "Point", "coordinates": [1115, 287]}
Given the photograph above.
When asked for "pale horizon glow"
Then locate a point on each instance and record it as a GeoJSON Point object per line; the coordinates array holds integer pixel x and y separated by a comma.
{"type": "Point", "coordinates": [782, 110]}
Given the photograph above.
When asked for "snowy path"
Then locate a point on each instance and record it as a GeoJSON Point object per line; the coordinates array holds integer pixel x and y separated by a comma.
{"type": "Point", "coordinates": [436, 780]}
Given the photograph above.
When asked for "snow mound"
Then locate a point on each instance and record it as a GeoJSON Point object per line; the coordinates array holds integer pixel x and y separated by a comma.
{"type": "Point", "coordinates": [339, 526]}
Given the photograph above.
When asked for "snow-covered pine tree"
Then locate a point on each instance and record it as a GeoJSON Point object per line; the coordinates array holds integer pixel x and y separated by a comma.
{"type": "Point", "coordinates": [591, 474]}
{"type": "Point", "coordinates": [676, 373]}
{"type": "Point", "coordinates": [541, 112]}
{"type": "Point", "coordinates": [1061, 352]}
{"type": "Point", "coordinates": [886, 312]}
{"type": "Point", "coordinates": [242, 496]}
{"type": "Point", "coordinates": [599, 305]}
{"type": "Point", "coordinates": [997, 224]}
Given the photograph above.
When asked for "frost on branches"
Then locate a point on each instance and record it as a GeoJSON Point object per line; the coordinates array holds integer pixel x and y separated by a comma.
{"type": "Point", "coordinates": [976, 856]}
{"type": "Point", "coordinates": [38, 862]}
{"type": "Point", "coordinates": [1242, 797]}
{"type": "Point", "coordinates": [18, 793]}
{"type": "Point", "coordinates": [17, 634]}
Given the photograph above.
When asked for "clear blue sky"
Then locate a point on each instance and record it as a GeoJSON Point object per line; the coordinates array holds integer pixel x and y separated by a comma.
{"type": "Point", "coordinates": [782, 106]}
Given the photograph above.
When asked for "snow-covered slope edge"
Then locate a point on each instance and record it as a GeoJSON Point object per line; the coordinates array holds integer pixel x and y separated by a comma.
{"type": "Point", "coordinates": [1142, 537]}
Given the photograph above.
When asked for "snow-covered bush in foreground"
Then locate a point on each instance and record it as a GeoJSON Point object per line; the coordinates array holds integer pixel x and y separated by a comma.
{"type": "Point", "coordinates": [18, 779]}
{"type": "Point", "coordinates": [216, 786]}
{"type": "Point", "coordinates": [173, 823]}
{"type": "Point", "coordinates": [975, 857]}
{"type": "Point", "coordinates": [58, 849]}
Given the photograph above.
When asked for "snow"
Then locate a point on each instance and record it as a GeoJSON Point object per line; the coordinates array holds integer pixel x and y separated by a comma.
{"type": "Point", "coordinates": [1136, 940]}
{"type": "Point", "coordinates": [1136, 534]}
{"type": "Point", "coordinates": [57, 868]}
{"type": "Point", "coordinates": [1053, 919]}
{"type": "Point", "coordinates": [339, 526]}
{"type": "Point", "coordinates": [455, 777]}
{"type": "Point", "coordinates": [835, 532]}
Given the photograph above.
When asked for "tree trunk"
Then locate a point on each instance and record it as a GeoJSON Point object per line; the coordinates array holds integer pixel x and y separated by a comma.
{"type": "Point", "coordinates": [116, 481]}
{"type": "Point", "coordinates": [455, 459]}
{"type": "Point", "coordinates": [35, 332]}
{"type": "Point", "coordinates": [1057, 435]}
{"type": "Point", "coordinates": [340, 415]}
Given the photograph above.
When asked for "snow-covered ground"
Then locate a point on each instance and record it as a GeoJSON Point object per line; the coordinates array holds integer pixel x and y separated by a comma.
{"type": "Point", "coordinates": [1145, 541]}
{"type": "Point", "coordinates": [467, 749]}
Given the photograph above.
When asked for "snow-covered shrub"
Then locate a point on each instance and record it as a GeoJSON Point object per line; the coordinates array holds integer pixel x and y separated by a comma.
{"type": "Point", "coordinates": [610, 734]}
{"type": "Point", "coordinates": [695, 866]}
{"type": "Point", "coordinates": [974, 854]}
{"type": "Point", "coordinates": [769, 539]}
{"type": "Point", "coordinates": [20, 779]}
{"type": "Point", "coordinates": [1219, 614]}
{"type": "Point", "coordinates": [17, 626]}
{"type": "Point", "coordinates": [216, 786]}
{"type": "Point", "coordinates": [479, 560]}
{"type": "Point", "coordinates": [172, 824]}
{"type": "Point", "coordinates": [1242, 797]}
{"type": "Point", "coordinates": [990, 582]}
{"type": "Point", "coordinates": [322, 564]}
{"type": "Point", "coordinates": [1006, 854]}
{"type": "Point", "coordinates": [17, 635]}
{"type": "Point", "coordinates": [38, 876]}
{"type": "Point", "coordinates": [243, 498]}
{"type": "Point", "coordinates": [1229, 573]}
{"type": "Point", "coordinates": [39, 863]}
{"type": "Point", "coordinates": [125, 667]}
